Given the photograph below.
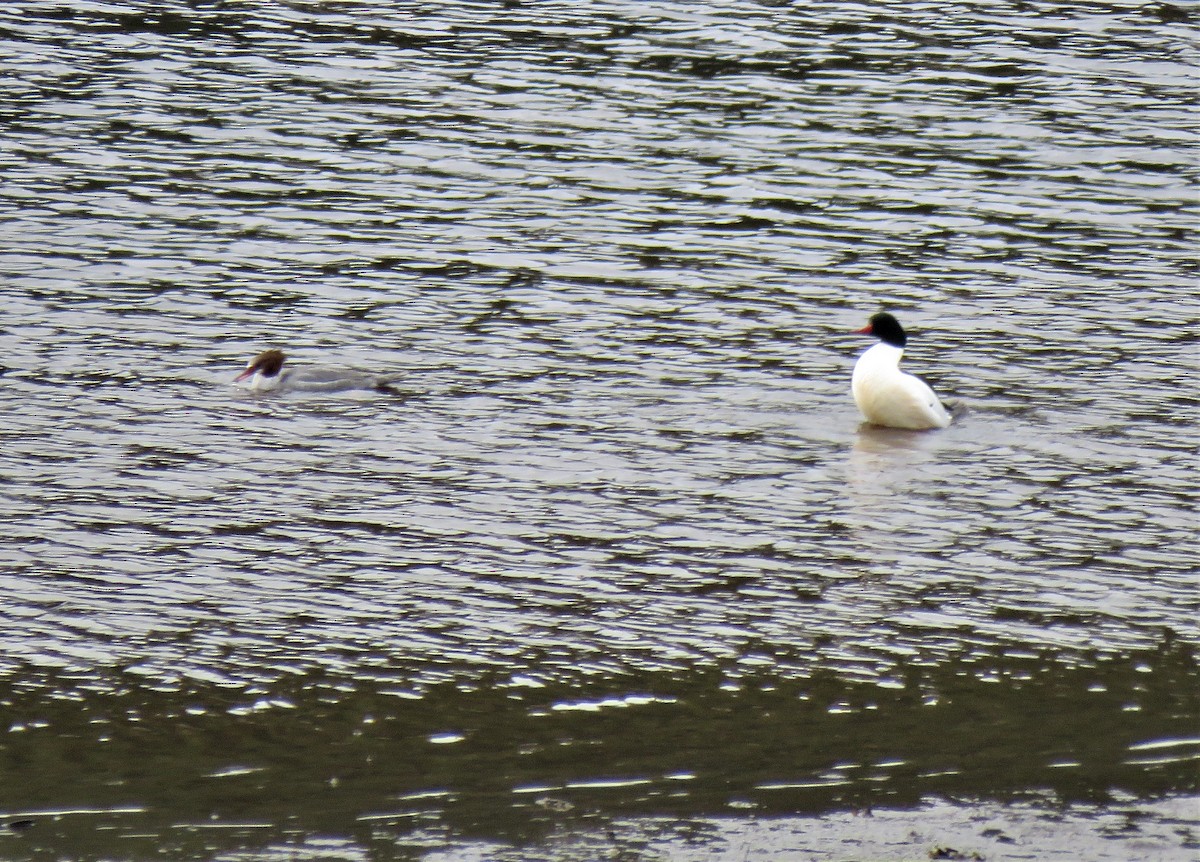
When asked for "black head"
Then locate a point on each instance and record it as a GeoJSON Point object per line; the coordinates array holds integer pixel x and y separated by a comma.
{"type": "Point", "coordinates": [887, 329]}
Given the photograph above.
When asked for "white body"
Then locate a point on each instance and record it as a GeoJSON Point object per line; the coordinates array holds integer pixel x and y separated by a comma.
{"type": "Point", "coordinates": [887, 396]}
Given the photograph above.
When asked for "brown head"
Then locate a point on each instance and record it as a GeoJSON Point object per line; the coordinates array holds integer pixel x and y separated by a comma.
{"type": "Point", "coordinates": [268, 363]}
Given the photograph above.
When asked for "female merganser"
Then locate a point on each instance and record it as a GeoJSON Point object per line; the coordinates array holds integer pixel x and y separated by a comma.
{"type": "Point", "coordinates": [886, 395]}
{"type": "Point", "coordinates": [267, 374]}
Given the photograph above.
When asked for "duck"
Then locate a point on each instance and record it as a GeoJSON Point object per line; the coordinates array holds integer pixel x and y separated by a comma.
{"type": "Point", "coordinates": [265, 373]}
{"type": "Point", "coordinates": [887, 396]}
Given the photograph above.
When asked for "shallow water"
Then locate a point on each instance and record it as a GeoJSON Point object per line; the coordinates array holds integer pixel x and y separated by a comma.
{"type": "Point", "coordinates": [619, 545]}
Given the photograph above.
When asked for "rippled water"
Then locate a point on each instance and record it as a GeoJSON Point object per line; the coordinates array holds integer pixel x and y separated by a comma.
{"type": "Point", "coordinates": [621, 543]}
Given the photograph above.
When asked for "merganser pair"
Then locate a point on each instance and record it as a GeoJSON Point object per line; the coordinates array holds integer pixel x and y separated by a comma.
{"type": "Point", "coordinates": [885, 395]}
{"type": "Point", "coordinates": [266, 373]}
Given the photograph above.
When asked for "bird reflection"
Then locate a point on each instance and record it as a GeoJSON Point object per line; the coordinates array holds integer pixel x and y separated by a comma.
{"type": "Point", "coordinates": [885, 471]}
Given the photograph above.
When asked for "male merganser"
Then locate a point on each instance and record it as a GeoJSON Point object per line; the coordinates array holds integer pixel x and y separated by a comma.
{"type": "Point", "coordinates": [886, 395]}
{"type": "Point", "coordinates": [267, 374]}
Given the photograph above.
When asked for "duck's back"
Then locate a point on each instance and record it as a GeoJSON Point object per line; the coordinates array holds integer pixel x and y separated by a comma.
{"type": "Point", "coordinates": [887, 396]}
{"type": "Point", "coordinates": [318, 380]}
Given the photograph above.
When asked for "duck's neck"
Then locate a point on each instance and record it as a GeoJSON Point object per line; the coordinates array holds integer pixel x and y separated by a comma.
{"type": "Point", "coordinates": [882, 355]}
{"type": "Point", "coordinates": [261, 383]}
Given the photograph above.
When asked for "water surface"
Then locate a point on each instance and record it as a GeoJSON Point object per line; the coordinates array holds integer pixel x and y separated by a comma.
{"type": "Point", "coordinates": [620, 556]}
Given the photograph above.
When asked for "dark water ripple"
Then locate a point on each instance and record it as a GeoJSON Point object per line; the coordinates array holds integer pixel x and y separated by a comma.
{"type": "Point", "coordinates": [610, 258]}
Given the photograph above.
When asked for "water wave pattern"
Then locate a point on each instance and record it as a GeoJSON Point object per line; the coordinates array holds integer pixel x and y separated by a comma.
{"type": "Point", "coordinates": [610, 258]}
